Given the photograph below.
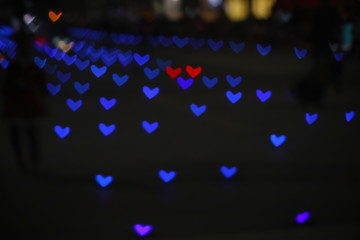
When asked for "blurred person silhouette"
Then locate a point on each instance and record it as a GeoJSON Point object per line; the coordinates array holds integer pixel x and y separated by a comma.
{"type": "Point", "coordinates": [24, 93]}
{"type": "Point", "coordinates": [326, 71]}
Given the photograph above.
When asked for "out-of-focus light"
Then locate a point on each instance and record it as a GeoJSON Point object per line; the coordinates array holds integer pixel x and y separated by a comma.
{"type": "Point", "coordinates": [158, 6]}
{"type": "Point", "coordinates": [208, 12]}
{"type": "Point", "coordinates": [302, 217]}
{"type": "Point", "coordinates": [284, 17]}
{"type": "Point", "coordinates": [28, 19]}
{"type": "Point", "coordinates": [6, 31]}
{"type": "Point", "coordinates": [237, 10]}
{"type": "Point", "coordinates": [103, 181]}
{"type": "Point", "coordinates": [215, 3]}
{"type": "Point", "coordinates": [40, 41]}
{"type": "Point", "coordinates": [53, 16]}
{"type": "Point", "coordinates": [34, 27]}
{"type": "Point", "coordinates": [173, 9]}
{"type": "Point", "coordinates": [65, 46]}
{"type": "Point", "coordinates": [261, 9]}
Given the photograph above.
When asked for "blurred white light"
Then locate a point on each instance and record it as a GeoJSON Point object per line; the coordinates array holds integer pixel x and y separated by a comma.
{"type": "Point", "coordinates": [173, 9]}
{"type": "Point", "coordinates": [215, 3]}
{"type": "Point", "coordinates": [28, 19]}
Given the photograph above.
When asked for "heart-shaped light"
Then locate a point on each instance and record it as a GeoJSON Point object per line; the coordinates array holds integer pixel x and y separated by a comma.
{"type": "Point", "coordinates": [98, 72]}
{"type": "Point", "coordinates": [107, 104]}
{"type": "Point", "coordinates": [193, 72]}
{"type": "Point", "coordinates": [53, 89]}
{"type": "Point", "coordinates": [120, 80]}
{"type": "Point", "coordinates": [233, 81]}
{"type": "Point", "coordinates": [263, 96]}
{"type": "Point", "coordinates": [150, 127]}
{"type": "Point", "coordinates": [62, 132]}
{"type": "Point", "coordinates": [184, 84]}
{"type": "Point", "coordinates": [150, 93]}
{"type": "Point", "coordinates": [215, 46]}
{"type": "Point", "coordinates": [167, 176]}
{"type": "Point", "coordinates": [103, 181]}
{"type": "Point", "coordinates": [277, 141]}
{"type": "Point", "coordinates": [302, 217]}
{"type": "Point", "coordinates": [311, 118]}
{"type": "Point", "coordinates": [28, 18]}
{"type": "Point", "coordinates": [233, 97]}
{"type": "Point", "coordinates": [263, 50]}
{"type": "Point", "coordinates": [210, 83]}
{"type": "Point", "coordinates": [53, 16]}
{"type": "Point", "coordinates": [173, 73]}
{"type": "Point", "coordinates": [300, 53]}
{"type": "Point", "coordinates": [65, 46]}
{"type": "Point", "coordinates": [81, 88]}
{"type": "Point", "coordinates": [151, 74]}
{"type": "Point", "coordinates": [141, 60]}
{"type": "Point", "coordinates": [106, 130]}
{"type": "Point", "coordinates": [198, 110]}
{"type": "Point", "coordinates": [349, 116]}
{"type": "Point", "coordinates": [228, 172]}
{"type": "Point", "coordinates": [73, 105]}
{"type": "Point", "coordinates": [142, 230]}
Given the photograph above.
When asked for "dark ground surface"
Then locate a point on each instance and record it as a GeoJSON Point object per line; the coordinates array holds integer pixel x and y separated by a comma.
{"type": "Point", "coordinates": [315, 170]}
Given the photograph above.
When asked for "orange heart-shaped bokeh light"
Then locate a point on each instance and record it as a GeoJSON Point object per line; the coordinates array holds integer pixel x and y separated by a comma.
{"type": "Point", "coordinates": [53, 16]}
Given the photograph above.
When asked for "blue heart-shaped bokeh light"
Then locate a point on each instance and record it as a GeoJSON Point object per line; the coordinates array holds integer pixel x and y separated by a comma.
{"type": "Point", "coordinates": [73, 105]}
{"type": "Point", "coordinates": [150, 127]}
{"type": "Point", "coordinates": [237, 47]}
{"type": "Point", "coordinates": [228, 172]}
{"type": "Point", "coordinates": [215, 46]}
{"type": "Point", "coordinates": [106, 130]}
{"type": "Point", "coordinates": [197, 110]}
{"type": "Point", "coordinates": [349, 116]}
{"type": "Point", "coordinates": [141, 60]}
{"type": "Point", "coordinates": [81, 88]}
{"type": "Point", "coordinates": [263, 50]}
{"type": "Point", "coordinates": [302, 217]}
{"type": "Point", "coordinates": [277, 141]}
{"type": "Point", "coordinates": [300, 53]}
{"type": "Point", "coordinates": [151, 74]}
{"type": "Point", "coordinates": [150, 93]}
{"type": "Point", "coordinates": [62, 132]}
{"type": "Point", "coordinates": [53, 89]}
{"type": "Point", "coordinates": [233, 97]}
{"type": "Point", "coordinates": [98, 72]}
{"type": "Point", "coordinates": [167, 176]}
{"type": "Point", "coordinates": [184, 84]}
{"type": "Point", "coordinates": [107, 104]}
{"type": "Point", "coordinates": [311, 118]}
{"type": "Point", "coordinates": [210, 83]}
{"type": "Point", "coordinates": [233, 81]}
{"type": "Point", "coordinates": [120, 80]}
{"type": "Point", "coordinates": [263, 96]}
{"type": "Point", "coordinates": [103, 181]}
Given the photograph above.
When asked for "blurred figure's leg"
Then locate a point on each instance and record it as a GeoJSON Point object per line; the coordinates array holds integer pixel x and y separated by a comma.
{"type": "Point", "coordinates": [32, 135]}
{"type": "Point", "coordinates": [15, 139]}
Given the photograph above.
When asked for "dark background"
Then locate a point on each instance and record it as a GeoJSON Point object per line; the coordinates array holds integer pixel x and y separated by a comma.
{"type": "Point", "coordinates": [315, 170]}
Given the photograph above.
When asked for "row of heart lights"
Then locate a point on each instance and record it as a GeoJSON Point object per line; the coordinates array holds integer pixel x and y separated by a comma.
{"type": "Point", "coordinates": [237, 47]}
{"type": "Point", "coordinates": [179, 42]}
